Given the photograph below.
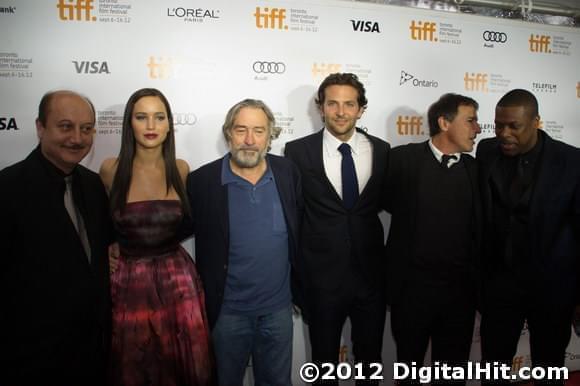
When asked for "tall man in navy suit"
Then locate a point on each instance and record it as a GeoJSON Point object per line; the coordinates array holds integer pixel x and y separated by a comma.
{"type": "Point", "coordinates": [531, 196]}
{"type": "Point", "coordinates": [54, 270]}
{"type": "Point", "coordinates": [343, 170]}
{"type": "Point", "coordinates": [245, 210]}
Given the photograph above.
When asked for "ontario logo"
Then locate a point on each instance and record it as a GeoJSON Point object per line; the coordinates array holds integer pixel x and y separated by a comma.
{"type": "Point", "coordinates": [407, 78]}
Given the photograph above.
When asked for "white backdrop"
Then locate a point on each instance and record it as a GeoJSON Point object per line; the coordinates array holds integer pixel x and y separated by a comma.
{"type": "Point", "coordinates": [207, 55]}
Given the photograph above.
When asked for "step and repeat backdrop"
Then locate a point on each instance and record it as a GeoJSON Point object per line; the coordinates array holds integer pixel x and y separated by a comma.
{"type": "Point", "coordinates": [207, 55]}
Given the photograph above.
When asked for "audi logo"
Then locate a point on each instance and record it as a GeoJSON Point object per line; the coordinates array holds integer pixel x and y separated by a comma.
{"type": "Point", "coordinates": [269, 67]}
{"type": "Point", "coordinates": [184, 119]}
{"type": "Point", "coordinates": [492, 36]}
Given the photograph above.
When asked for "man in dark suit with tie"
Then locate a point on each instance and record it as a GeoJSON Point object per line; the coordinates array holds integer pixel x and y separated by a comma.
{"type": "Point", "coordinates": [245, 209]}
{"type": "Point", "coordinates": [54, 279]}
{"type": "Point", "coordinates": [432, 193]}
{"type": "Point", "coordinates": [531, 196]}
{"type": "Point", "coordinates": [343, 170]}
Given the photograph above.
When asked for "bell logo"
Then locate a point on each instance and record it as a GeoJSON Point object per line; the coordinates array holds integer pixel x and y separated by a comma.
{"type": "Point", "coordinates": [160, 68]}
{"type": "Point", "coordinates": [8, 124]}
{"type": "Point", "coordinates": [475, 82]}
{"type": "Point", "coordinates": [365, 26]}
{"type": "Point", "coordinates": [79, 10]}
{"type": "Point", "coordinates": [540, 43]}
{"type": "Point", "coordinates": [423, 31]}
{"type": "Point", "coordinates": [270, 18]}
{"type": "Point", "coordinates": [324, 69]}
{"type": "Point", "coordinates": [410, 125]}
{"type": "Point", "coordinates": [84, 67]}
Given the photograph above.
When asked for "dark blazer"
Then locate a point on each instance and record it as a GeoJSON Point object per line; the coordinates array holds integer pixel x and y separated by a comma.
{"type": "Point", "coordinates": [333, 237]}
{"type": "Point", "coordinates": [554, 218]}
{"type": "Point", "coordinates": [210, 225]}
{"type": "Point", "coordinates": [55, 322]}
{"type": "Point", "coordinates": [401, 191]}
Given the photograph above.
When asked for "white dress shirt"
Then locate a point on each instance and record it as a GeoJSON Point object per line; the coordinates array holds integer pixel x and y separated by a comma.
{"type": "Point", "coordinates": [439, 154]}
{"type": "Point", "coordinates": [362, 154]}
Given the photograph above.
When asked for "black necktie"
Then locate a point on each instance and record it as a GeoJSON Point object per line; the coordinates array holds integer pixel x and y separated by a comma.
{"type": "Point", "coordinates": [445, 160]}
{"type": "Point", "coordinates": [75, 216]}
{"type": "Point", "coordinates": [349, 180]}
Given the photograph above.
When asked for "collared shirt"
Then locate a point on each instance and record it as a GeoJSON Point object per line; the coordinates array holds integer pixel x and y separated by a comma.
{"type": "Point", "coordinates": [439, 154]}
{"type": "Point", "coordinates": [362, 154]}
{"type": "Point", "coordinates": [258, 274]}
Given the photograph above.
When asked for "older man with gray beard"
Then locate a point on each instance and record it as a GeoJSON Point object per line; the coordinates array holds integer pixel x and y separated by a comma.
{"type": "Point", "coordinates": [245, 211]}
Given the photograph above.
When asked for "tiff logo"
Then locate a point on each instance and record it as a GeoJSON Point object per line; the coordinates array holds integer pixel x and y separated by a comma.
{"type": "Point", "coordinates": [75, 10]}
{"type": "Point", "coordinates": [475, 82]}
{"type": "Point", "coordinates": [85, 67]}
{"type": "Point", "coordinates": [540, 43]}
{"type": "Point", "coordinates": [412, 125]}
{"type": "Point", "coordinates": [578, 90]}
{"type": "Point", "coordinates": [160, 68]}
{"type": "Point", "coordinates": [517, 364]}
{"type": "Point", "coordinates": [325, 69]}
{"type": "Point", "coordinates": [423, 31]}
{"type": "Point", "coordinates": [365, 26]}
{"type": "Point", "coordinates": [270, 18]}
{"type": "Point", "coordinates": [343, 353]}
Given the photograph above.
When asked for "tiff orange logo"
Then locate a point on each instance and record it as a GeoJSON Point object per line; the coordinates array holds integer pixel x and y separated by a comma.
{"type": "Point", "coordinates": [325, 69]}
{"type": "Point", "coordinates": [79, 10]}
{"type": "Point", "coordinates": [540, 43]}
{"type": "Point", "coordinates": [270, 18]}
{"type": "Point", "coordinates": [410, 125]}
{"type": "Point", "coordinates": [423, 30]}
{"type": "Point", "coordinates": [160, 68]}
{"type": "Point", "coordinates": [578, 90]}
{"type": "Point", "coordinates": [475, 82]}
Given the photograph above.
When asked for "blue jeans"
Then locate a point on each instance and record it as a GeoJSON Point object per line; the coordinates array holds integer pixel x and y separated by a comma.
{"type": "Point", "coordinates": [267, 338]}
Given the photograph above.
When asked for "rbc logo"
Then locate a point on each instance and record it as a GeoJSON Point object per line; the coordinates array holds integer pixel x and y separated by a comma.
{"type": "Point", "coordinates": [365, 26]}
{"type": "Point", "coordinates": [8, 124]}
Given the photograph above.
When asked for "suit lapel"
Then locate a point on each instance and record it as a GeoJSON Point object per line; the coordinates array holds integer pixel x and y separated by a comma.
{"type": "Point", "coordinates": [221, 192]}
{"type": "Point", "coordinates": [551, 166]}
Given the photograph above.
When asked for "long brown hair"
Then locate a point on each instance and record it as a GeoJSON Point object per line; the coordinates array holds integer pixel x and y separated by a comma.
{"type": "Point", "coordinates": [124, 173]}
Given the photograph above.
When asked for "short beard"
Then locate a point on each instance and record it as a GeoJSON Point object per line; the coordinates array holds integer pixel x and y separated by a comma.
{"type": "Point", "coordinates": [247, 160]}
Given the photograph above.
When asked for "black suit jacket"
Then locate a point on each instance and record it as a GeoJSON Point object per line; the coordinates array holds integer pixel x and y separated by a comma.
{"type": "Point", "coordinates": [55, 322]}
{"type": "Point", "coordinates": [402, 188]}
{"type": "Point", "coordinates": [334, 239]}
{"type": "Point", "coordinates": [210, 224]}
{"type": "Point", "coordinates": [554, 218]}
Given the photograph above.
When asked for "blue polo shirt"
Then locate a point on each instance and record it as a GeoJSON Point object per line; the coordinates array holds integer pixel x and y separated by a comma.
{"type": "Point", "coordinates": [258, 277]}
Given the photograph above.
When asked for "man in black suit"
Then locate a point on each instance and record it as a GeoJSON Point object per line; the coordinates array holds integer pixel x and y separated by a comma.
{"type": "Point", "coordinates": [531, 196]}
{"type": "Point", "coordinates": [343, 170]}
{"type": "Point", "coordinates": [245, 209]}
{"type": "Point", "coordinates": [54, 280]}
{"type": "Point", "coordinates": [432, 193]}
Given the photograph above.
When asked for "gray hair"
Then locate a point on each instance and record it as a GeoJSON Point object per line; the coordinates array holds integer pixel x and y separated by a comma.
{"type": "Point", "coordinates": [273, 131]}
